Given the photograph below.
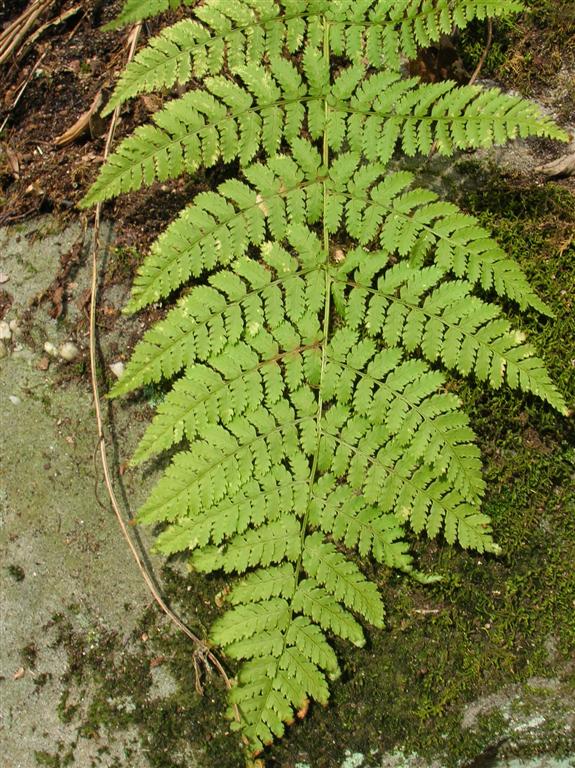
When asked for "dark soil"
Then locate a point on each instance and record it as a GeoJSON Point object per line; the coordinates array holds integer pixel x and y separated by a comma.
{"type": "Point", "coordinates": [45, 89]}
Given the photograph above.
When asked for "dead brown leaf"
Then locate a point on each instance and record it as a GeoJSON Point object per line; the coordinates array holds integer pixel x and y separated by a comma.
{"type": "Point", "coordinates": [13, 161]}
{"type": "Point", "coordinates": [152, 102]}
{"type": "Point", "coordinates": [57, 298]}
{"type": "Point", "coordinates": [302, 711]}
{"type": "Point", "coordinates": [82, 124]}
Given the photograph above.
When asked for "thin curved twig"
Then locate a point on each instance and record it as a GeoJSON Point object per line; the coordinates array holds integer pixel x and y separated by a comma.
{"type": "Point", "coordinates": [481, 61]}
{"type": "Point", "coordinates": [475, 74]}
{"type": "Point", "coordinates": [202, 651]}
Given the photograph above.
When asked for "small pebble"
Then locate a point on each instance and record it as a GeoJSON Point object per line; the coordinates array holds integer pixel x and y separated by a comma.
{"type": "Point", "coordinates": [14, 326]}
{"type": "Point", "coordinates": [15, 400]}
{"type": "Point", "coordinates": [5, 332]}
{"type": "Point", "coordinates": [50, 349]}
{"type": "Point", "coordinates": [43, 363]}
{"type": "Point", "coordinates": [68, 351]}
{"type": "Point", "coordinates": [117, 369]}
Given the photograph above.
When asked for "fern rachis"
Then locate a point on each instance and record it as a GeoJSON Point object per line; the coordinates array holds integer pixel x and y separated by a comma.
{"type": "Point", "coordinates": [326, 293]}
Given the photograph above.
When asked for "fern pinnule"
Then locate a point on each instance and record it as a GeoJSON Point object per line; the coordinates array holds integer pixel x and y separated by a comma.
{"type": "Point", "coordinates": [323, 297]}
{"type": "Point", "coordinates": [138, 10]}
{"type": "Point", "coordinates": [387, 108]}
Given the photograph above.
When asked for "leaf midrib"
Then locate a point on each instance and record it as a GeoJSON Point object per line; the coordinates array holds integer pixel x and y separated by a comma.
{"type": "Point", "coordinates": [224, 457]}
{"type": "Point", "coordinates": [165, 350]}
{"type": "Point", "coordinates": [225, 383]}
{"type": "Point", "coordinates": [212, 231]}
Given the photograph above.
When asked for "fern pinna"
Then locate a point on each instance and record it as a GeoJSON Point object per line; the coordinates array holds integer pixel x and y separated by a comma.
{"type": "Point", "coordinates": [326, 295]}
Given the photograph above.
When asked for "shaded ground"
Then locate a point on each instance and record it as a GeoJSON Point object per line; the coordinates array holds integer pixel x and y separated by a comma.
{"type": "Point", "coordinates": [476, 671]}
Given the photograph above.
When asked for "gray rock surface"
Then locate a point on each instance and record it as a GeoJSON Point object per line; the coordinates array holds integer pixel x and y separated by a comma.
{"type": "Point", "coordinates": [60, 546]}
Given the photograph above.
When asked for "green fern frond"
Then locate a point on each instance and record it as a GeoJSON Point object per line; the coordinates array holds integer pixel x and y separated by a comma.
{"type": "Point", "coordinates": [447, 322]}
{"type": "Point", "coordinates": [340, 512]}
{"type": "Point", "coordinates": [224, 33]}
{"type": "Point", "coordinates": [386, 108]}
{"type": "Point", "coordinates": [403, 396]}
{"type": "Point", "coordinates": [322, 300]}
{"type": "Point", "coordinates": [245, 30]}
{"type": "Point", "coordinates": [342, 578]}
{"type": "Point", "coordinates": [384, 31]}
{"type": "Point", "coordinates": [218, 227]}
{"type": "Point", "coordinates": [138, 10]}
{"type": "Point", "coordinates": [413, 222]}
{"type": "Point", "coordinates": [220, 123]}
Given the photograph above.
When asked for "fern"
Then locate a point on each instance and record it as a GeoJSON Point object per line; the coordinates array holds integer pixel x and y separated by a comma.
{"type": "Point", "coordinates": [326, 296]}
{"type": "Point", "coordinates": [136, 10]}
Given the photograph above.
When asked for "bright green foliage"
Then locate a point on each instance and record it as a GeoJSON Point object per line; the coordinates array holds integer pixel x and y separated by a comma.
{"type": "Point", "coordinates": [138, 10]}
{"type": "Point", "coordinates": [326, 294]}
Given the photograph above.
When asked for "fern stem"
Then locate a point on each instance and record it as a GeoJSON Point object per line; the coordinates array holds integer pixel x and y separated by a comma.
{"type": "Point", "coordinates": [327, 309]}
{"type": "Point", "coordinates": [326, 319]}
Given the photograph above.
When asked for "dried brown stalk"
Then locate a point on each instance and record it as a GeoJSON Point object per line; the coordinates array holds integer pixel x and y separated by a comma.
{"type": "Point", "coordinates": [15, 34]}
